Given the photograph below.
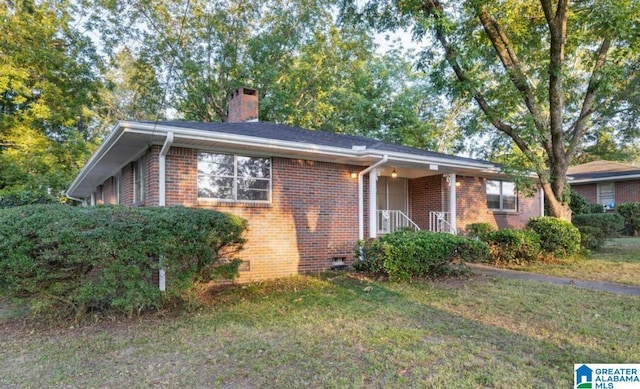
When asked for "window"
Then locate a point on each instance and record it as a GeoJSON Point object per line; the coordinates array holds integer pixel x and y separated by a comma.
{"type": "Point", "coordinates": [234, 177]}
{"type": "Point", "coordinates": [116, 187]}
{"type": "Point", "coordinates": [140, 180]}
{"type": "Point", "coordinates": [607, 195]}
{"type": "Point", "coordinates": [501, 195]}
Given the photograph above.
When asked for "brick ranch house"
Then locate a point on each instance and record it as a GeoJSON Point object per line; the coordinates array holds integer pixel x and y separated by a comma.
{"type": "Point", "coordinates": [605, 182]}
{"type": "Point", "coordinates": [307, 194]}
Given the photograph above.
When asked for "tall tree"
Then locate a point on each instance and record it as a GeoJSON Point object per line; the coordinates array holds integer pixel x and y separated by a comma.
{"type": "Point", "coordinates": [310, 71]}
{"type": "Point", "coordinates": [541, 73]}
{"type": "Point", "coordinates": [48, 86]}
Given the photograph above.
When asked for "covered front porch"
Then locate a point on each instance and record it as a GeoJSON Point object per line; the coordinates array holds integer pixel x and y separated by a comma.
{"type": "Point", "coordinates": [406, 195]}
{"type": "Point", "coordinates": [396, 204]}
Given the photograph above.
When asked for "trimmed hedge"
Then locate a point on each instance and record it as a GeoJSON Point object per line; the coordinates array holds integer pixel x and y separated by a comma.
{"type": "Point", "coordinates": [75, 259]}
{"type": "Point", "coordinates": [610, 224]}
{"type": "Point", "coordinates": [591, 238]}
{"type": "Point", "coordinates": [406, 254]}
{"type": "Point", "coordinates": [509, 246]}
{"type": "Point", "coordinates": [557, 237]}
{"type": "Point", "coordinates": [479, 230]}
{"type": "Point", "coordinates": [631, 214]}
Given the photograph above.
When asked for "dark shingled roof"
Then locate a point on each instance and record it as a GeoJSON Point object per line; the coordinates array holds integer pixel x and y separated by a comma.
{"type": "Point", "coordinates": [283, 132]}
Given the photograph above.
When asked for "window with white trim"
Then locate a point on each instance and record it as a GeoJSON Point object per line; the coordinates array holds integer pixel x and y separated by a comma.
{"type": "Point", "coordinates": [116, 187]}
{"type": "Point", "coordinates": [234, 177]}
{"type": "Point", "coordinates": [140, 180]}
{"type": "Point", "coordinates": [607, 194]}
{"type": "Point", "coordinates": [501, 195]}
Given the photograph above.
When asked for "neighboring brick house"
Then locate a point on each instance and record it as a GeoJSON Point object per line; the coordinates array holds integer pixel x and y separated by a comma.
{"type": "Point", "coordinates": [605, 182]}
{"type": "Point", "coordinates": [306, 194]}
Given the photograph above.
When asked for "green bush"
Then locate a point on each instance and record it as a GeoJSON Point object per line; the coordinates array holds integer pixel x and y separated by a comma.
{"type": "Point", "coordinates": [631, 214]}
{"type": "Point", "coordinates": [610, 224]}
{"type": "Point", "coordinates": [513, 246]}
{"type": "Point", "coordinates": [17, 198]}
{"type": "Point", "coordinates": [406, 254]}
{"type": "Point", "coordinates": [591, 238]}
{"type": "Point", "coordinates": [478, 230]}
{"type": "Point", "coordinates": [75, 259]}
{"type": "Point", "coordinates": [557, 237]}
{"type": "Point", "coordinates": [581, 206]}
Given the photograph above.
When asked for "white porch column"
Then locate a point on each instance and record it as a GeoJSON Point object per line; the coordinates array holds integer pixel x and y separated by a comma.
{"type": "Point", "coordinates": [361, 194]}
{"type": "Point", "coordinates": [373, 203]}
{"type": "Point", "coordinates": [541, 201]}
{"type": "Point", "coordinates": [451, 179]}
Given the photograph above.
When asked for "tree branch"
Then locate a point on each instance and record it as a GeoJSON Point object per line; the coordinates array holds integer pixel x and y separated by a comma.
{"type": "Point", "coordinates": [434, 8]}
{"type": "Point", "coordinates": [510, 61]}
{"type": "Point", "coordinates": [579, 127]}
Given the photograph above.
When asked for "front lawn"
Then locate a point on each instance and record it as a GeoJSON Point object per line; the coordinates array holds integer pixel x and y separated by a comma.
{"type": "Point", "coordinates": [618, 261]}
{"type": "Point", "coordinates": [340, 330]}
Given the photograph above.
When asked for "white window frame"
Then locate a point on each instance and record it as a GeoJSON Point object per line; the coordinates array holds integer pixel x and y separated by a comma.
{"type": "Point", "coordinates": [235, 178]}
{"type": "Point", "coordinates": [116, 187]}
{"type": "Point", "coordinates": [139, 181]}
{"type": "Point", "coordinates": [502, 208]}
{"type": "Point", "coordinates": [605, 201]}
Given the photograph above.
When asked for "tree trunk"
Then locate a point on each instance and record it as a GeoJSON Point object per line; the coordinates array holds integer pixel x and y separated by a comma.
{"type": "Point", "coordinates": [557, 208]}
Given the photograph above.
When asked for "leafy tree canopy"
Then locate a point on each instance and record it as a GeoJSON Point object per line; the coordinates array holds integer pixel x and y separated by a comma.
{"type": "Point", "coordinates": [48, 86]}
{"type": "Point", "coordinates": [542, 74]}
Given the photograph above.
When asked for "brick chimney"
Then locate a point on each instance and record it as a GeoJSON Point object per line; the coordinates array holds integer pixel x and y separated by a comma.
{"type": "Point", "coordinates": [243, 105]}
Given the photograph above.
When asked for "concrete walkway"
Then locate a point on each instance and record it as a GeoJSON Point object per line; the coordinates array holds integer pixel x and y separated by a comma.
{"type": "Point", "coordinates": [484, 270]}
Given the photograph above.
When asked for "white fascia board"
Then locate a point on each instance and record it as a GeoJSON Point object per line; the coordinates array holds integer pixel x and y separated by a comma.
{"type": "Point", "coordinates": [115, 134]}
{"type": "Point", "coordinates": [603, 179]}
{"type": "Point", "coordinates": [268, 143]}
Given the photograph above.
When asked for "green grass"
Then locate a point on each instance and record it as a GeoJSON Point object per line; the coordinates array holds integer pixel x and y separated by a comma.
{"type": "Point", "coordinates": [336, 331]}
{"type": "Point", "coordinates": [618, 261]}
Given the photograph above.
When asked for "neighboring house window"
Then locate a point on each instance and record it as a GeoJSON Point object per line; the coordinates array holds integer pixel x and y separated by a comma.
{"type": "Point", "coordinates": [140, 180]}
{"type": "Point", "coordinates": [501, 195]}
{"type": "Point", "coordinates": [234, 177]}
{"type": "Point", "coordinates": [606, 195]}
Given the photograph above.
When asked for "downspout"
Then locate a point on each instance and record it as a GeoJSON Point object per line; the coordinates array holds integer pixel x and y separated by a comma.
{"type": "Point", "coordinates": [361, 195]}
{"type": "Point", "coordinates": [162, 188]}
{"type": "Point", "coordinates": [162, 201]}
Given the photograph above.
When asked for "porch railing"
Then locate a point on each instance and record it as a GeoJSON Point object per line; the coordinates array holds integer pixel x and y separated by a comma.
{"type": "Point", "coordinates": [393, 220]}
{"type": "Point", "coordinates": [441, 222]}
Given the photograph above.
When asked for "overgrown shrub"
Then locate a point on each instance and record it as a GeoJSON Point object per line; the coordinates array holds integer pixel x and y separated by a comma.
{"type": "Point", "coordinates": [16, 198]}
{"type": "Point", "coordinates": [557, 237]}
{"type": "Point", "coordinates": [631, 214]}
{"type": "Point", "coordinates": [591, 238]}
{"type": "Point", "coordinates": [478, 230]}
{"type": "Point", "coordinates": [610, 224]}
{"type": "Point", "coordinates": [75, 259]}
{"type": "Point", "coordinates": [581, 206]}
{"type": "Point", "coordinates": [406, 254]}
{"type": "Point", "coordinates": [513, 246]}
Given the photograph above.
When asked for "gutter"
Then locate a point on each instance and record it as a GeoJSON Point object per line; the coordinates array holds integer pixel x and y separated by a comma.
{"type": "Point", "coordinates": [384, 159]}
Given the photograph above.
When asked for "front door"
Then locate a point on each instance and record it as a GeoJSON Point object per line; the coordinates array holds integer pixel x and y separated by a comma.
{"type": "Point", "coordinates": [392, 194]}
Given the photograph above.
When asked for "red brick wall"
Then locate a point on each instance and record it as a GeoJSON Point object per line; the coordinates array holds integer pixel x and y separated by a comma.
{"type": "Point", "coordinates": [109, 189]}
{"type": "Point", "coordinates": [425, 195]}
{"type": "Point", "coordinates": [126, 185]}
{"type": "Point", "coordinates": [152, 176]}
{"type": "Point", "coordinates": [588, 191]}
{"type": "Point", "coordinates": [472, 206]}
{"type": "Point", "coordinates": [627, 191]}
{"type": "Point", "coordinates": [313, 215]}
